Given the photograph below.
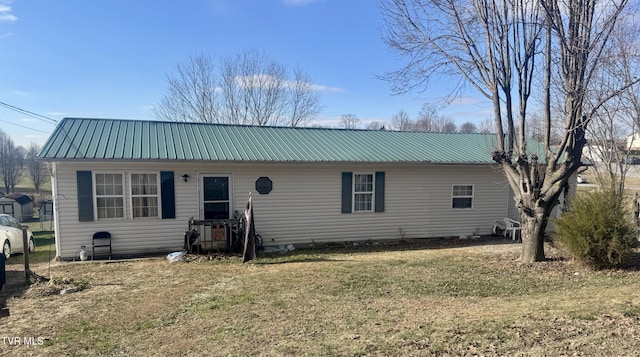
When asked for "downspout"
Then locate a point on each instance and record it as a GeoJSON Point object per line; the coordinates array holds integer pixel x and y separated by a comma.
{"type": "Point", "coordinates": [56, 198]}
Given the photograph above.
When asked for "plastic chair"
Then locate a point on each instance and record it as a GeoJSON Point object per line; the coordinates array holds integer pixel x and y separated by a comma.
{"type": "Point", "coordinates": [101, 240]}
{"type": "Point", "coordinates": [511, 226]}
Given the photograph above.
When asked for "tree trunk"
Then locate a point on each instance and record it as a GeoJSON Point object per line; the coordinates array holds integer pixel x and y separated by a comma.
{"type": "Point", "coordinates": [533, 229]}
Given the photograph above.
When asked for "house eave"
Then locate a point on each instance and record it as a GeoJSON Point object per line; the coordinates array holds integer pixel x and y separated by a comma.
{"type": "Point", "coordinates": [254, 162]}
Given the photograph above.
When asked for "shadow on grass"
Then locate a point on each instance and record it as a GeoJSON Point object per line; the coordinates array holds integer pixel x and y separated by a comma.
{"type": "Point", "coordinates": [315, 253]}
{"type": "Point", "coordinates": [16, 285]}
{"type": "Point", "coordinates": [293, 257]}
{"type": "Point", "coordinates": [413, 244]}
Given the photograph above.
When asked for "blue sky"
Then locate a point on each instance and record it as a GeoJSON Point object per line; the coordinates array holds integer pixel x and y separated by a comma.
{"type": "Point", "coordinates": [109, 58]}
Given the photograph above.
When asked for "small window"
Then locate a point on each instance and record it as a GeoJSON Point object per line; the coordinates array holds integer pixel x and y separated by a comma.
{"type": "Point", "coordinates": [144, 195]}
{"type": "Point", "coordinates": [362, 192]}
{"type": "Point", "coordinates": [462, 197]}
{"type": "Point", "coordinates": [109, 195]}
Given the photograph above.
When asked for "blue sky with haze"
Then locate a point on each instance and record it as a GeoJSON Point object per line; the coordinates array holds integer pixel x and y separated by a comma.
{"type": "Point", "coordinates": [109, 58]}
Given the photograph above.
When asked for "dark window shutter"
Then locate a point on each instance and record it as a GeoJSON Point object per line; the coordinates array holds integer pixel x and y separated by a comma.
{"type": "Point", "coordinates": [167, 190]}
{"type": "Point", "coordinates": [347, 186]}
{"type": "Point", "coordinates": [85, 195]}
{"type": "Point", "coordinates": [379, 190]}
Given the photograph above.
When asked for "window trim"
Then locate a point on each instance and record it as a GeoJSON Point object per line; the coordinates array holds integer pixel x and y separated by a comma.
{"type": "Point", "coordinates": [96, 216]}
{"type": "Point", "coordinates": [158, 194]}
{"type": "Point", "coordinates": [472, 196]}
{"type": "Point", "coordinates": [354, 193]}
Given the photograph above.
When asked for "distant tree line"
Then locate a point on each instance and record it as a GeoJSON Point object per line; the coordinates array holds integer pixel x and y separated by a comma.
{"type": "Point", "coordinates": [16, 161]}
{"type": "Point", "coordinates": [429, 120]}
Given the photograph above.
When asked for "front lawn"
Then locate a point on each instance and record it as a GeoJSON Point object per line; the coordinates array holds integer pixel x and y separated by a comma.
{"type": "Point", "coordinates": [470, 300]}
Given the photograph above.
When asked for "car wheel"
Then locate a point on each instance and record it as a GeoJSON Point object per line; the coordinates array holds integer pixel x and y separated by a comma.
{"type": "Point", "coordinates": [6, 249]}
{"type": "Point", "coordinates": [32, 245]}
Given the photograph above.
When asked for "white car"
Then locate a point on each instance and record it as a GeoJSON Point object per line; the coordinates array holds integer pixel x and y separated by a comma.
{"type": "Point", "coordinates": [581, 179]}
{"type": "Point", "coordinates": [11, 236]}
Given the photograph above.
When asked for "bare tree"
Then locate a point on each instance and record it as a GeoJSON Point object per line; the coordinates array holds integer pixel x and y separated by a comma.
{"type": "Point", "coordinates": [259, 84]}
{"type": "Point", "coordinates": [604, 148]}
{"type": "Point", "coordinates": [619, 117]}
{"type": "Point", "coordinates": [430, 119]}
{"type": "Point", "coordinates": [428, 116]}
{"type": "Point", "coordinates": [305, 100]}
{"type": "Point", "coordinates": [375, 125]}
{"type": "Point", "coordinates": [349, 121]}
{"type": "Point", "coordinates": [468, 128]}
{"type": "Point", "coordinates": [35, 168]}
{"type": "Point", "coordinates": [192, 93]}
{"type": "Point", "coordinates": [444, 124]}
{"type": "Point", "coordinates": [11, 162]}
{"type": "Point", "coordinates": [401, 122]}
{"type": "Point", "coordinates": [499, 48]}
{"type": "Point", "coordinates": [487, 126]}
{"type": "Point", "coordinates": [248, 88]}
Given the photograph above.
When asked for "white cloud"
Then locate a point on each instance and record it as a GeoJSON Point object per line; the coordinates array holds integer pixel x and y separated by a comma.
{"type": "Point", "coordinates": [321, 88]}
{"type": "Point", "coordinates": [20, 93]}
{"type": "Point", "coordinates": [56, 114]}
{"type": "Point", "coordinates": [468, 100]}
{"type": "Point", "coordinates": [256, 81]}
{"type": "Point", "coordinates": [265, 80]}
{"type": "Point", "coordinates": [5, 13]}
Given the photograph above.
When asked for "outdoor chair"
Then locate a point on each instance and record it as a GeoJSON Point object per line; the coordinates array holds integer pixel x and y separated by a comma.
{"type": "Point", "coordinates": [101, 240]}
{"type": "Point", "coordinates": [512, 226]}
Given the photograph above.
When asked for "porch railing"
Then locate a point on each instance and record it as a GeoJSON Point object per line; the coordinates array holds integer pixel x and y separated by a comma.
{"type": "Point", "coordinates": [214, 235]}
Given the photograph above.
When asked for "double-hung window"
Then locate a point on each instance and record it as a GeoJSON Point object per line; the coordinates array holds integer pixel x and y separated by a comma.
{"type": "Point", "coordinates": [125, 194]}
{"type": "Point", "coordinates": [109, 195]}
{"type": "Point", "coordinates": [462, 197]}
{"type": "Point", "coordinates": [144, 195]}
{"type": "Point", "coordinates": [363, 192]}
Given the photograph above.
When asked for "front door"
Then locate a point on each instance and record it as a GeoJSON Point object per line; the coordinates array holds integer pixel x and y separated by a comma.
{"type": "Point", "coordinates": [216, 202]}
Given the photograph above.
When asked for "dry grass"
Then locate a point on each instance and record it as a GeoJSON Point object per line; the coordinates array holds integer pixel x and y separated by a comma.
{"type": "Point", "coordinates": [470, 300]}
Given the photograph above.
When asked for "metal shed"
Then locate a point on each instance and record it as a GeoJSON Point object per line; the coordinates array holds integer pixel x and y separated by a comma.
{"type": "Point", "coordinates": [17, 205]}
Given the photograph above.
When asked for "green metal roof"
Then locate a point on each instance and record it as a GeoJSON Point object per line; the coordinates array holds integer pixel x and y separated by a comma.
{"type": "Point", "coordinates": [116, 139]}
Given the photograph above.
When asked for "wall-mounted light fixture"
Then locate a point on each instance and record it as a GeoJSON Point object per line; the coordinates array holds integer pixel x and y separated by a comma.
{"type": "Point", "coordinates": [185, 177]}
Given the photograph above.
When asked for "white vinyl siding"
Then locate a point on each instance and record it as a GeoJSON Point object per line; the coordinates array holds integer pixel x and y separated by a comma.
{"type": "Point", "coordinates": [303, 207]}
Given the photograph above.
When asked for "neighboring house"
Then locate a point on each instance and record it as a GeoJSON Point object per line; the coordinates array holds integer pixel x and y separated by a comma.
{"type": "Point", "coordinates": [598, 153]}
{"type": "Point", "coordinates": [633, 143]}
{"type": "Point", "coordinates": [608, 152]}
{"type": "Point", "coordinates": [143, 180]}
{"type": "Point", "coordinates": [18, 205]}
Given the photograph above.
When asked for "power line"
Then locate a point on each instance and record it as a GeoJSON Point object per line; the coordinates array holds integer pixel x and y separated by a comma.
{"type": "Point", "coordinates": [40, 117]}
{"type": "Point", "coordinates": [25, 127]}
